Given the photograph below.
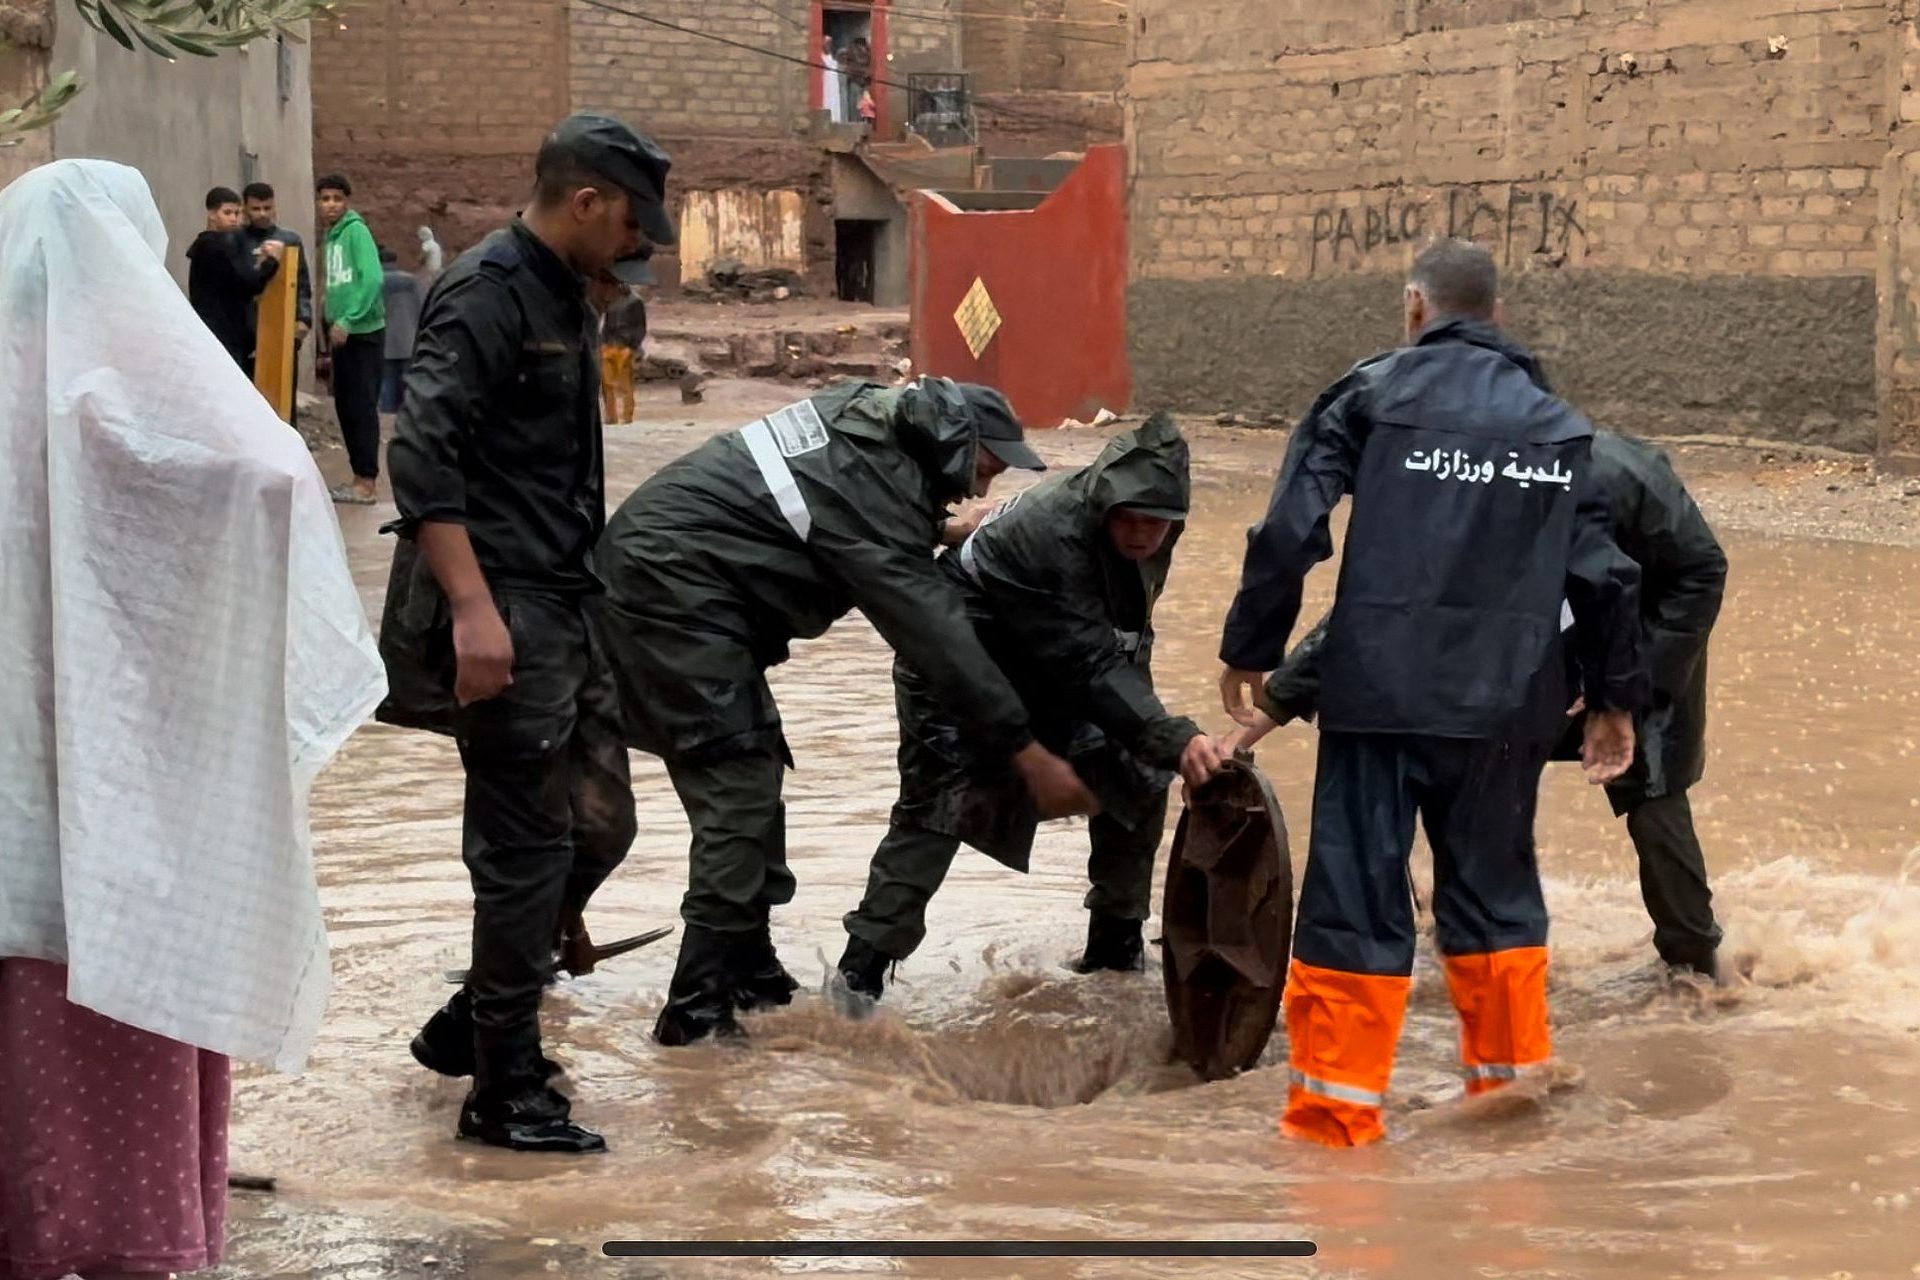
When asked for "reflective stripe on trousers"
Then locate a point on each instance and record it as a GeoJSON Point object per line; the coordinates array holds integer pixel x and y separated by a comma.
{"type": "Point", "coordinates": [1343, 1030]}
{"type": "Point", "coordinates": [1340, 1092]}
{"type": "Point", "coordinates": [1501, 997]}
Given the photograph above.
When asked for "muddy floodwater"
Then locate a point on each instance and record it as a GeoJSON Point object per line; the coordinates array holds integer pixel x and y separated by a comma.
{"type": "Point", "coordinates": [1772, 1129]}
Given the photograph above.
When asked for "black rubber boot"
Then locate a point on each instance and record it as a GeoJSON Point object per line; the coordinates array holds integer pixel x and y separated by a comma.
{"type": "Point", "coordinates": [864, 967]}
{"type": "Point", "coordinates": [760, 981]}
{"type": "Point", "coordinates": [1112, 944]}
{"type": "Point", "coordinates": [445, 1044]}
{"type": "Point", "coordinates": [700, 999]}
{"type": "Point", "coordinates": [536, 1118]}
{"type": "Point", "coordinates": [860, 979]}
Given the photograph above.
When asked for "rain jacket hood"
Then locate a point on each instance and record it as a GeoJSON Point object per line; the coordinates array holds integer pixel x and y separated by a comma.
{"type": "Point", "coordinates": [928, 419]}
{"type": "Point", "coordinates": [1147, 467]}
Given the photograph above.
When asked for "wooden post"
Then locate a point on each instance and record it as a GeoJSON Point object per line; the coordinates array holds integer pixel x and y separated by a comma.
{"type": "Point", "coordinates": [274, 354]}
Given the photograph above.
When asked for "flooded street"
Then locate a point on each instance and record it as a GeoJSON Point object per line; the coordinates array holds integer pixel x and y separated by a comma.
{"type": "Point", "coordinates": [1769, 1130]}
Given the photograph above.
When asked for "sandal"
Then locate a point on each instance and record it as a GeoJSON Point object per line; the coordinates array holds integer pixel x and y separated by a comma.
{"type": "Point", "coordinates": [346, 493]}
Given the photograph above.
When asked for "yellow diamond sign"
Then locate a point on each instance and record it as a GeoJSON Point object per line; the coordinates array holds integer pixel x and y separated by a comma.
{"type": "Point", "coordinates": [977, 317]}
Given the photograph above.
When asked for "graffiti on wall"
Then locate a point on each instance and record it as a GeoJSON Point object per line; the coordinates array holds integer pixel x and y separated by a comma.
{"type": "Point", "coordinates": [1514, 220]}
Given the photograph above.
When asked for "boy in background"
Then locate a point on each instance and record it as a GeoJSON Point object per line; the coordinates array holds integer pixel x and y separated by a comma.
{"type": "Point", "coordinates": [355, 314]}
{"type": "Point", "coordinates": [225, 274]}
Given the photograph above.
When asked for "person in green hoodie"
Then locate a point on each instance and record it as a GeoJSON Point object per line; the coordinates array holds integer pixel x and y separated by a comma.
{"type": "Point", "coordinates": [1059, 586]}
{"type": "Point", "coordinates": [356, 329]}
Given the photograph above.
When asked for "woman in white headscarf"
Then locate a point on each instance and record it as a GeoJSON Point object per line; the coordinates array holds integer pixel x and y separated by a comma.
{"type": "Point", "coordinates": [181, 649]}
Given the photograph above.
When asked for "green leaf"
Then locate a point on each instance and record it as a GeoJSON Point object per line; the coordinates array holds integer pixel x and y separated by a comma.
{"type": "Point", "coordinates": [113, 28]}
{"type": "Point", "coordinates": [189, 45]}
{"type": "Point", "coordinates": [152, 44]}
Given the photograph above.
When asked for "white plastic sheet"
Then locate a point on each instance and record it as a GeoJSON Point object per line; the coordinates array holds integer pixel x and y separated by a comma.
{"type": "Point", "coordinates": [181, 644]}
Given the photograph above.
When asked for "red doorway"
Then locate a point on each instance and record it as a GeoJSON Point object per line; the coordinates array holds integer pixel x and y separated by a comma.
{"type": "Point", "coordinates": [845, 22]}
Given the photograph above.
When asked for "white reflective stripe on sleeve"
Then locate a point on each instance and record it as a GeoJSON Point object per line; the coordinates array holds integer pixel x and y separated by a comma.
{"type": "Point", "coordinates": [1493, 1071]}
{"type": "Point", "coordinates": [1339, 1092]}
{"type": "Point", "coordinates": [967, 561]}
{"type": "Point", "coordinates": [779, 476]}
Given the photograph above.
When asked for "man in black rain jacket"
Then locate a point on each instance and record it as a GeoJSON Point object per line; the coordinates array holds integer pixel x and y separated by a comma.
{"type": "Point", "coordinates": [499, 474]}
{"type": "Point", "coordinates": [1475, 516]}
{"type": "Point", "coordinates": [1060, 584]}
{"type": "Point", "coordinates": [766, 535]}
{"type": "Point", "coordinates": [1683, 580]}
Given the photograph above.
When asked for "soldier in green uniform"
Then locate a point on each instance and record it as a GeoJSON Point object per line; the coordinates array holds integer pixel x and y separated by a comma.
{"type": "Point", "coordinates": [766, 535]}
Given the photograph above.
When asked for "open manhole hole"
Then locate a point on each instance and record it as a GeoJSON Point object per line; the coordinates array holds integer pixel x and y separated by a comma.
{"type": "Point", "coordinates": [1044, 1063]}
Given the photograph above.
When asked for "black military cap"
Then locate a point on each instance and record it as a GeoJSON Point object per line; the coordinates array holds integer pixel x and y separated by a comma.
{"type": "Point", "coordinates": [1000, 431]}
{"type": "Point", "coordinates": [630, 160]}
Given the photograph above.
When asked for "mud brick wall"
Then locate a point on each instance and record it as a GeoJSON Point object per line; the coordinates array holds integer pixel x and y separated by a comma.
{"type": "Point", "coordinates": [434, 108]}
{"type": "Point", "coordinates": [1047, 74]}
{"type": "Point", "coordinates": [680, 85]}
{"type": "Point", "coordinates": [928, 38]}
{"type": "Point", "coordinates": [1686, 195]}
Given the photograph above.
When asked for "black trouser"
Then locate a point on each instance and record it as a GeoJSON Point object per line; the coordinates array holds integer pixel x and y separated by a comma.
{"type": "Point", "coordinates": [737, 868]}
{"type": "Point", "coordinates": [1673, 881]}
{"type": "Point", "coordinates": [912, 862]}
{"type": "Point", "coordinates": [549, 815]}
{"type": "Point", "coordinates": [357, 368]}
{"type": "Point", "coordinates": [1476, 799]}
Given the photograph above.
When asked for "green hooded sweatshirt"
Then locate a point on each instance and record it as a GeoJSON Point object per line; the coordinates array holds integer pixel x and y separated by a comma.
{"type": "Point", "coordinates": [356, 298]}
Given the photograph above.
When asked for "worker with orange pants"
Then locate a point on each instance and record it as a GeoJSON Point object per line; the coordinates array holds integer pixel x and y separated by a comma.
{"type": "Point", "coordinates": [1476, 522]}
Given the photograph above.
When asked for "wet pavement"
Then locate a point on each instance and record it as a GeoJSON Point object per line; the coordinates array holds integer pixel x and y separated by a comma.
{"type": "Point", "coordinates": [1769, 1130]}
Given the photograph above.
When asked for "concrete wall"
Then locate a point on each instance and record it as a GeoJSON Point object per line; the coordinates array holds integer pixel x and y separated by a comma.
{"type": "Point", "coordinates": [191, 124]}
{"type": "Point", "coordinates": [1686, 195]}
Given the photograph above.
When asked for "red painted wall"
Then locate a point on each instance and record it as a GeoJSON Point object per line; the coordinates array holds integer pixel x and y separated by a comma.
{"type": "Point", "coordinates": [1057, 275]}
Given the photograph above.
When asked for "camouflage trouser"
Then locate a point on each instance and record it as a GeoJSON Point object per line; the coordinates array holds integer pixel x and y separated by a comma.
{"type": "Point", "coordinates": [911, 863]}
{"type": "Point", "coordinates": [737, 866]}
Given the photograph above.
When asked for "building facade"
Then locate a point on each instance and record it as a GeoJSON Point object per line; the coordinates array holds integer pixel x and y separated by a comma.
{"type": "Point", "coordinates": [434, 108]}
{"type": "Point", "coordinates": [1702, 205]}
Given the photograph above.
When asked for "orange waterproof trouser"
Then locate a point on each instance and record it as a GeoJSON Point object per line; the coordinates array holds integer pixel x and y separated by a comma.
{"type": "Point", "coordinates": [1353, 940]}
{"type": "Point", "coordinates": [1343, 1030]}
{"type": "Point", "coordinates": [616, 383]}
{"type": "Point", "coordinates": [1501, 997]}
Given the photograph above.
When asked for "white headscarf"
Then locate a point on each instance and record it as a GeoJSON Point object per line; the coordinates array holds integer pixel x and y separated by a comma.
{"type": "Point", "coordinates": [181, 643]}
